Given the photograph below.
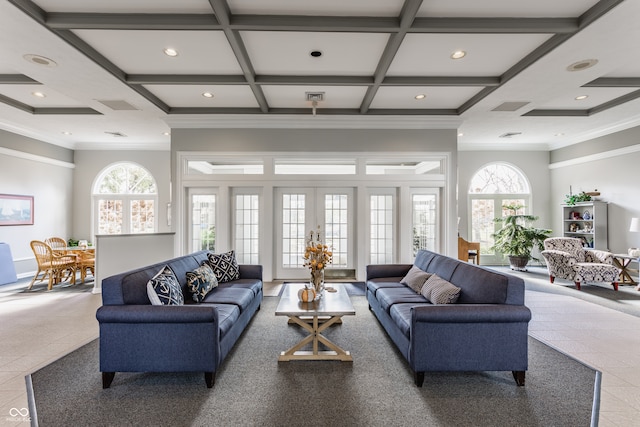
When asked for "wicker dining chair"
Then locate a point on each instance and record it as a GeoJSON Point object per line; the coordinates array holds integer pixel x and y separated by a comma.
{"type": "Point", "coordinates": [50, 265]}
{"type": "Point", "coordinates": [86, 263]}
{"type": "Point", "coordinates": [59, 247]}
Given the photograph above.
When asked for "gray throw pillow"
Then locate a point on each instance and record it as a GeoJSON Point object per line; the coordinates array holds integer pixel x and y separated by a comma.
{"type": "Point", "coordinates": [415, 278]}
{"type": "Point", "coordinates": [439, 291]}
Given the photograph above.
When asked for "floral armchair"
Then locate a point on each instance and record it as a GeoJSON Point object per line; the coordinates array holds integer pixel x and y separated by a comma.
{"type": "Point", "coordinates": [567, 259]}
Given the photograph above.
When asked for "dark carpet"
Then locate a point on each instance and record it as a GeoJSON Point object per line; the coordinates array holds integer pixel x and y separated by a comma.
{"type": "Point", "coordinates": [377, 389]}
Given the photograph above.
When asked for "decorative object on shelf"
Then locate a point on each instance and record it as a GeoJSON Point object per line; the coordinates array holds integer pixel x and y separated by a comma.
{"type": "Point", "coordinates": [586, 215]}
{"type": "Point", "coordinates": [307, 294]}
{"type": "Point", "coordinates": [316, 257]}
{"type": "Point", "coordinates": [517, 237]}
{"type": "Point", "coordinates": [593, 193]}
{"type": "Point", "coordinates": [575, 216]}
{"type": "Point", "coordinates": [573, 227]}
{"type": "Point", "coordinates": [571, 199]}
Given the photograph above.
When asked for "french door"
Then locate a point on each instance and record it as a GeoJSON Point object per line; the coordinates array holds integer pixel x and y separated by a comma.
{"type": "Point", "coordinates": [298, 211]}
{"type": "Point", "coordinates": [201, 217]}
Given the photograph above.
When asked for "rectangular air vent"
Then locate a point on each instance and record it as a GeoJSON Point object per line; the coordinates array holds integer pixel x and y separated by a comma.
{"type": "Point", "coordinates": [510, 106]}
{"type": "Point", "coordinates": [117, 105]}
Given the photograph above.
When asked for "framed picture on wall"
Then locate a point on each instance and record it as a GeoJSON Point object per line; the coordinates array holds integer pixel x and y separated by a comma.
{"type": "Point", "coordinates": [16, 209]}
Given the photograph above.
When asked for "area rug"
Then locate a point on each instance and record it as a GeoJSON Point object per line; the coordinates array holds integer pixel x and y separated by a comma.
{"type": "Point", "coordinates": [376, 389]}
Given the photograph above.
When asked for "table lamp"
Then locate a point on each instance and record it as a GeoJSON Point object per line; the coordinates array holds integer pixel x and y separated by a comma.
{"type": "Point", "coordinates": [634, 227]}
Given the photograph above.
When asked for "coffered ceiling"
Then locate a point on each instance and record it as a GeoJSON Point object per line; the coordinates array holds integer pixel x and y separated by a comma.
{"type": "Point", "coordinates": [108, 83]}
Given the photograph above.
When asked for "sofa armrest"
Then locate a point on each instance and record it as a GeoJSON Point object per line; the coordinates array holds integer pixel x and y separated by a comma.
{"type": "Point", "coordinates": [375, 271]}
{"type": "Point", "coordinates": [201, 313]}
{"type": "Point", "coordinates": [471, 313]}
{"type": "Point", "coordinates": [599, 256]}
{"type": "Point", "coordinates": [250, 271]}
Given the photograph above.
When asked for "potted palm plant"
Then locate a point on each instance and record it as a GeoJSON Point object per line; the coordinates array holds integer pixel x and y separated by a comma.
{"type": "Point", "coordinates": [517, 237]}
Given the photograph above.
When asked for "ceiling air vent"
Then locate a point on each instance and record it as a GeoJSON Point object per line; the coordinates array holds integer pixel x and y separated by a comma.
{"type": "Point", "coordinates": [510, 134]}
{"type": "Point", "coordinates": [116, 134]}
{"type": "Point", "coordinates": [118, 105]}
{"type": "Point", "coordinates": [510, 106]}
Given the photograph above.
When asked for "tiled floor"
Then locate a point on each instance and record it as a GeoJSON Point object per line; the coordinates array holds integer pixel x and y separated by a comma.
{"type": "Point", "coordinates": [38, 328]}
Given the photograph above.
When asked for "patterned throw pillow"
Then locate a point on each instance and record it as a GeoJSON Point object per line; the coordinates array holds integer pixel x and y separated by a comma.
{"type": "Point", "coordinates": [201, 281]}
{"type": "Point", "coordinates": [224, 266]}
{"type": "Point", "coordinates": [439, 291]}
{"type": "Point", "coordinates": [164, 288]}
{"type": "Point", "coordinates": [415, 278]}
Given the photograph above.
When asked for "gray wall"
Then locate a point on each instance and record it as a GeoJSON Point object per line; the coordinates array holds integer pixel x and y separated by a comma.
{"type": "Point", "coordinates": [613, 173]}
{"type": "Point", "coordinates": [37, 169]}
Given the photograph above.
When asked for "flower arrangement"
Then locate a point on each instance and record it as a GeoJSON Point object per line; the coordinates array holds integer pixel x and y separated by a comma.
{"type": "Point", "coordinates": [316, 257]}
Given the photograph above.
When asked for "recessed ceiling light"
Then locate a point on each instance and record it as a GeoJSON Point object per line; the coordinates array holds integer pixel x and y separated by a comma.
{"type": "Point", "coordinates": [166, 133]}
{"type": "Point", "coordinates": [460, 134]}
{"type": "Point", "coordinates": [581, 97]}
{"type": "Point", "coordinates": [207, 95]}
{"type": "Point", "coordinates": [169, 51]}
{"type": "Point", "coordinates": [39, 94]}
{"type": "Point", "coordinates": [67, 133]}
{"type": "Point", "coordinates": [558, 134]}
{"type": "Point", "coordinates": [582, 65]}
{"type": "Point", "coordinates": [421, 96]}
{"type": "Point", "coordinates": [40, 60]}
{"type": "Point", "coordinates": [316, 53]}
{"type": "Point", "coordinates": [458, 54]}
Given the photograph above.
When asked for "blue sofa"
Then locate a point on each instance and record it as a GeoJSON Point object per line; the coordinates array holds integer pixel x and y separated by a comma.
{"type": "Point", "coordinates": [136, 336]}
{"type": "Point", "coordinates": [485, 330]}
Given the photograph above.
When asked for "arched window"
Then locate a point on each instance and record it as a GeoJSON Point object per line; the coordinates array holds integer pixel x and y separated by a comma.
{"type": "Point", "coordinates": [492, 188]}
{"type": "Point", "coordinates": [125, 197]}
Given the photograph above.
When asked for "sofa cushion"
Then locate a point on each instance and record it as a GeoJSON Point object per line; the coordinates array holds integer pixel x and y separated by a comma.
{"type": "Point", "coordinates": [401, 315]}
{"type": "Point", "coordinates": [480, 286]}
{"type": "Point", "coordinates": [201, 281]}
{"type": "Point", "coordinates": [255, 285]}
{"type": "Point", "coordinates": [227, 316]}
{"type": "Point", "coordinates": [415, 278]}
{"type": "Point", "coordinates": [439, 291]}
{"type": "Point", "coordinates": [390, 296]}
{"type": "Point", "coordinates": [388, 282]}
{"type": "Point", "coordinates": [230, 295]}
{"type": "Point", "coordinates": [164, 288]}
{"type": "Point", "coordinates": [224, 266]}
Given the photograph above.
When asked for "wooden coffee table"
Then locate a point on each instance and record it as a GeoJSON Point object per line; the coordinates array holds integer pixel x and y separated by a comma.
{"type": "Point", "coordinates": [315, 317]}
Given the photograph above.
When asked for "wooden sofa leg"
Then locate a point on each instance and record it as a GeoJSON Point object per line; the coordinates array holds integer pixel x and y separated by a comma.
{"type": "Point", "coordinates": [210, 379]}
{"type": "Point", "coordinates": [578, 285]}
{"type": "Point", "coordinates": [519, 377]}
{"type": "Point", "coordinates": [615, 286]}
{"type": "Point", "coordinates": [552, 278]}
{"type": "Point", "coordinates": [418, 378]}
{"type": "Point", "coordinates": [107, 378]}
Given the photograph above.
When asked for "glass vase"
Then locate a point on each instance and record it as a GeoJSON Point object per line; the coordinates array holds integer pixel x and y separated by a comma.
{"type": "Point", "coordinates": [317, 281]}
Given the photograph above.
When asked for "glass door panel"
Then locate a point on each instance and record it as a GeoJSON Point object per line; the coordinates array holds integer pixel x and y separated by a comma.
{"type": "Point", "coordinates": [202, 220]}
